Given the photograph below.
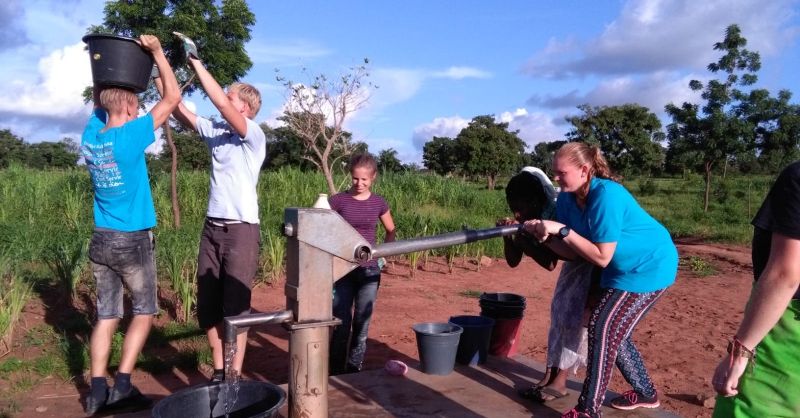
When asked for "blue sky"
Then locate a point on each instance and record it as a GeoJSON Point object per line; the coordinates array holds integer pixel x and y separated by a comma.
{"type": "Point", "coordinates": [437, 64]}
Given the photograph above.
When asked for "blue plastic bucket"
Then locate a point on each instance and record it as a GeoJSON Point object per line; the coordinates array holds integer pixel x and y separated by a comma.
{"type": "Point", "coordinates": [473, 346]}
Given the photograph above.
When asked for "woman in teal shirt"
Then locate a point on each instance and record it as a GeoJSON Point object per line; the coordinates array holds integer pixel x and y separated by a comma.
{"type": "Point", "coordinates": [600, 221]}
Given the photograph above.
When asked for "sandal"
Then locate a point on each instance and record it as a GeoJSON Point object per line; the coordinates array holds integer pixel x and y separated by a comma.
{"type": "Point", "coordinates": [542, 394]}
{"type": "Point", "coordinates": [529, 392]}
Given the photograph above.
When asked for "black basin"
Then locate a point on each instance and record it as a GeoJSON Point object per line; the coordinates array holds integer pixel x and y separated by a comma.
{"type": "Point", "coordinates": [118, 61]}
{"type": "Point", "coordinates": [255, 400]}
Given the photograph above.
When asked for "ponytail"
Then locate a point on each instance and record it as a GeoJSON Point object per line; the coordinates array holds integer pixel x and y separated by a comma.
{"type": "Point", "coordinates": [599, 165]}
{"type": "Point", "coordinates": [581, 153]}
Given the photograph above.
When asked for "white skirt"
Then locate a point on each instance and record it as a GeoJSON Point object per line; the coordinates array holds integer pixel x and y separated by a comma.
{"type": "Point", "coordinates": [567, 340]}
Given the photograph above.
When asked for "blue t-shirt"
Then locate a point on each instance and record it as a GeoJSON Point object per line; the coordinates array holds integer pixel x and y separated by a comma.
{"type": "Point", "coordinates": [115, 159]}
{"type": "Point", "coordinates": [645, 259]}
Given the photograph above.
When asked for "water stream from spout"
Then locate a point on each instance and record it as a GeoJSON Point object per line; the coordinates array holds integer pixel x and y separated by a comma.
{"type": "Point", "coordinates": [231, 379]}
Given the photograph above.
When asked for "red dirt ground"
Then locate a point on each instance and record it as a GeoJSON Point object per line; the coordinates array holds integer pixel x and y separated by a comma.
{"type": "Point", "coordinates": [682, 338]}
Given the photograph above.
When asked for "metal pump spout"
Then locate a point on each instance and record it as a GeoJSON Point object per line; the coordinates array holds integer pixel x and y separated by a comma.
{"type": "Point", "coordinates": [232, 323]}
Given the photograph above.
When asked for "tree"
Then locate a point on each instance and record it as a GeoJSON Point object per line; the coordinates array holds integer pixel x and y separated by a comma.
{"type": "Point", "coordinates": [316, 112]}
{"type": "Point", "coordinates": [49, 155]}
{"type": "Point", "coordinates": [629, 136]}
{"type": "Point", "coordinates": [220, 32]}
{"type": "Point", "coordinates": [192, 151]}
{"type": "Point", "coordinates": [712, 134]}
{"type": "Point", "coordinates": [388, 161]}
{"type": "Point", "coordinates": [543, 153]}
{"type": "Point", "coordinates": [439, 155]}
{"type": "Point", "coordinates": [777, 128]}
{"type": "Point", "coordinates": [486, 148]}
{"type": "Point", "coordinates": [12, 148]}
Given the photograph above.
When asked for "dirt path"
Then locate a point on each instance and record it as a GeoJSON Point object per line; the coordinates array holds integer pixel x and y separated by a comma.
{"type": "Point", "coordinates": [682, 338]}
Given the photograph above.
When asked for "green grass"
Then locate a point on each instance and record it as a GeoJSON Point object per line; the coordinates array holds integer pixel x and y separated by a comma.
{"type": "Point", "coordinates": [471, 293]}
{"type": "Point", "coordinates": [678, 204]}
{"type": "Point", "coordinates": [698, 265]}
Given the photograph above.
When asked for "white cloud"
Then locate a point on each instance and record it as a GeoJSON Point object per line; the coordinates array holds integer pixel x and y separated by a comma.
{"type": "Point", "coordinates": [55, 97]}
{"type": "Point", "coordinates": [458, 73]}
{"type": "Point", "coordinates": [655, 35]}
{"type": "Point", "coordinates": [533, 127]}
{"type": "Point", "coordinates": [442, 126]}
{"type": "Point", "coordinates": [284, 52]}
{"type": "Point", "coordinates": [653, 91]}
{"type": "Point", "coordinates": [397, 85]}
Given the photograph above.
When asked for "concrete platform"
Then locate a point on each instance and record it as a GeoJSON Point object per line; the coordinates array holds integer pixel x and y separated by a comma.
{"type": "Point", "coordinates": [488, 390]}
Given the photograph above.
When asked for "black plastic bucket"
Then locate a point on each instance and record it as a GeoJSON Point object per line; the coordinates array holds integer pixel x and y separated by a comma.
{"type": "Point", "coordinates": [437, 344]}
{"type": "Point", "coordinates": [118, 61]}
{"type": "Point", "coordinates": [254, 400]}
{"type": "Point", "coordinates": [473, 346]}
{"type": "Point", "coordinates": [507, 310]}
{"type": "Point", "coordinates": [502, 305]}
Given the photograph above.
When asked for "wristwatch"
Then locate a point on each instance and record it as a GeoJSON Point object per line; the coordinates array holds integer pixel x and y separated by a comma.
{"type": "Point", "coordinates": [563, 232]}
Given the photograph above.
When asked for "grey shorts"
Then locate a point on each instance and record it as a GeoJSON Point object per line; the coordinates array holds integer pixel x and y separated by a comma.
{"type": "Point", "coordinates": [124, 258]}
{"type": "Point", "coordinates": [226, 265]}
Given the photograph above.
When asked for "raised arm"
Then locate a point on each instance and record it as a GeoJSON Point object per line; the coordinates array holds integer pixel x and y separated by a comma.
{"type": "Point", "coordinates": [171, 94]}
{"type": "Point", "coordinates": [185, 116]}
{"type": "Point", "coordinates": [214, 91]}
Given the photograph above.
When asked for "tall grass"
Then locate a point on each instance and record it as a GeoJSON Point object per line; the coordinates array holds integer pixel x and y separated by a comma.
{"type": "Point", "coordinates": [66, 258]}
{"type": "Point", "coordinates": [177, 255]}
{"type": "Point", "coordinates": [272, 264]}
{"type": "Point", "coordinates": [14, 293]}
{"type": "Point", "coordinates": [44, 214]}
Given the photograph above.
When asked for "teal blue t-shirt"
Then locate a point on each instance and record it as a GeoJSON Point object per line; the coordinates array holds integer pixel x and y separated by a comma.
{"type": "Point", "coordinates": [645, 259]}
{"type": "Point", "coordinates": [116, 163]}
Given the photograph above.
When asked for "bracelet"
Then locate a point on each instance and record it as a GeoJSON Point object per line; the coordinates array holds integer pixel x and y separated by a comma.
{"type": "Point", "coordinates": [737, 349]}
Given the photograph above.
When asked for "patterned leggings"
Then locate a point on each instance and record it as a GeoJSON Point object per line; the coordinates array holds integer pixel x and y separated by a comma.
{"type": "Point", "coordinates": [610, 329]}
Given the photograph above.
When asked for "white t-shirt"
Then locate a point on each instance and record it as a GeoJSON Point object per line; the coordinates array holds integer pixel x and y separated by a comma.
{"type": "Point", "coordinates": [235, 166]}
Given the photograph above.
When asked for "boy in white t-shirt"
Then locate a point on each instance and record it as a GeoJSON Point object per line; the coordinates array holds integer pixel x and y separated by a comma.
{"type": "Point", "coordinates": [229, 243]}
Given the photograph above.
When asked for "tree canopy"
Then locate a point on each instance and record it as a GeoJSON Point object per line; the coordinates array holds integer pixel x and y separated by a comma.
{"type": "Point", "coordinates": [487, 149]}
{"type": "Point", "coordinates": [629, 136]}
{"type": "Point", "coordinates": [14, 150]}
{"type": "Point", "coordinates": [439, 155]}
{"type": "Point", "coordinates": [388, 161]}
{"type": "Point", "coordinates": [711, 133]}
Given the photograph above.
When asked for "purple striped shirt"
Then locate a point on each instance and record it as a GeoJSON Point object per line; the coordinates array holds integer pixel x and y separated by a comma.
{"type": "Point", "coordinates": [363, 215]}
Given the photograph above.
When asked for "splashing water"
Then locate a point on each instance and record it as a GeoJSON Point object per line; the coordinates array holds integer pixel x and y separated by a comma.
{"type": "Point", "coordinates": [231, 380]}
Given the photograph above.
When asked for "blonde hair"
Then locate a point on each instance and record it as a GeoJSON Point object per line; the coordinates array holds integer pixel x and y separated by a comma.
{"type": "Point", "coordinates": [115, 99]}
{"type": "Point", "coordinates": [365, 160]}
{"type": "Point", "coordinates": [248, 94]}
{"type": "Point", "coordinates": [579, 154]}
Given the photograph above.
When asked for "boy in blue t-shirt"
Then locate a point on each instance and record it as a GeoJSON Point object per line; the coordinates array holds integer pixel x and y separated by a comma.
{"type": "Point", "coordinates": [121, 249]}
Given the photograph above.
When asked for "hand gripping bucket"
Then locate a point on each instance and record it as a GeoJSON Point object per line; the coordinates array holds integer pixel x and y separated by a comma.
{"type": "Point", "coordinates": [437, 344]}
{"type": "Point", "coordinates": [118, 61]}
{"type": "Point", "coordinates": [473, 346]}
